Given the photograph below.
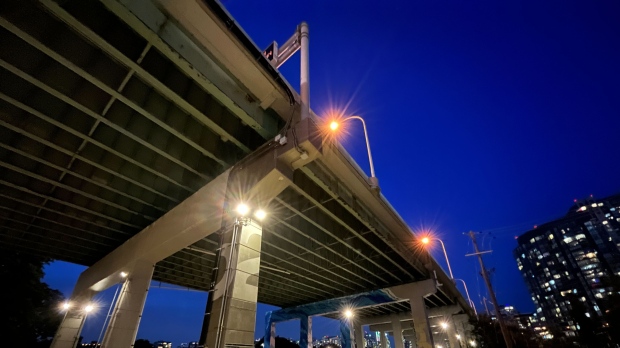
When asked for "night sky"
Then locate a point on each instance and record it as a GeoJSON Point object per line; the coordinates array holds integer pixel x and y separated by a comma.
{"type": "Point", "coordinates": [489, 116]}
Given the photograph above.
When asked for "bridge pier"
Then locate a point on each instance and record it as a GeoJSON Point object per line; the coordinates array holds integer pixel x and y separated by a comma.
{"type": "Point", "coordinates": [445, 314]}
{"type": "Point", "coordinates": [269, 340]}
{"type": "Point", "coordinates": [359, 335]}
{"type": "Point", "coordinates": [383, 339]}
{"type": "Point", "coordinates": [451, 332]}
{"type": "Point", "coordinates": [68, 332]}
{"type": "Point", "coordinates": [463, 327]}
{"type": "Point", "coordinates": [347, 333]}
{"type": "Point", "coordinates": [232, 307]}
{"type": "Point", "coordinates": [416, 292]}
{"type": "Point", "coordinates": [123, 326]}
{"type": "Point", "coordinates": [397, 332]}
{"type": "Point", "coordinates": [305, 335]}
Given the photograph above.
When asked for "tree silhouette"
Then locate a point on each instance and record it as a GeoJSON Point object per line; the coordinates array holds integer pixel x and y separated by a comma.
{"type": "Point", "coordinates": [281, 342]}
{"type": "Point", "coordinates": [142, 343]}
{"type": "Point", "coordinates": [488, 333]}
{"type": "Point", "coordinates": [30, 308]}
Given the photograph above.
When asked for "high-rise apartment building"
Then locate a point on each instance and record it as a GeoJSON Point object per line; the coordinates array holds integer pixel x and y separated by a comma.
{"type": "Point", "coordinates": [564, 260]}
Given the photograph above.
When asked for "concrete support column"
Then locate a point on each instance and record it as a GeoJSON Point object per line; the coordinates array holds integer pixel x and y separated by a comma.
{"type": "Point", "coordinates": [463, 327]}
{"type": "Point", "coordinates": [451, 332]}
{"type": "Point", "coordinates": [397, 331]}
{"type": "Point", "coordinates": [123, 326]}
{"type": "Point", "coordinates": [424, 338]}
{"type": "Point", "coordinates": [233, 309]}
{"type": "Point", "coordinates": [305, 334]}
{"type": "Point", "coordinates": [346, 333]}
{"type": "Point", "coordinates": [359, 336]}
{"type": "Point", "coordinates": [383, 339]}
{"type": "Point", "coordinates": [411, 339]}
{"type": "Point", "coordinates": [416, 292]}
{"type": "Point", "coordinates": [270, 332]}
{"type": "Point", "coordinates": [68, 332]}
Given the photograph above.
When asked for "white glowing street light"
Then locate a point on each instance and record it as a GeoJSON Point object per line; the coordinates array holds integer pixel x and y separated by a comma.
{"type": "Point", "coordinates": [260, 214]}
{"type": "Point", "coordinates": [444, 325]}
{"type": "Point", "coordinates": [66, 306]}
{"type": "Point", "coordinates": [334, 125]}
{"type": "Point", "coordinates": [242, 209]}
{"type": "Point", "coordinates": [89, 308]}
{"type": "Point", "coordinates": [427, 240]}
{"type": "Point", "coordinates": [348, 314]}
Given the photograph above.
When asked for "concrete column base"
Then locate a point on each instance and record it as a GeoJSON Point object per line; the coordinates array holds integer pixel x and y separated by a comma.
{"type": "Point", "coordinates": [416, 292]}
{"type": "Point", "coordinates": [231, 321]}
{"type": "Point", "coordinates": [359, 336]}
{"type": "Point", "coordinates": [346, 333]}
{"type": "Point", "coordinates": [397, 331]}
{"type": "Point", "coordinates": [305, 334]}
{"type": "Point", "coordinates": [463, 327]}
{"type": "Point", "coordinates": [269, 340]}
{"type": "Point", "coordinates": [123, 326]}
{"type": "Point", "coordinates": [451, 332]}
{"type": "Point", "coordinates": [70, 328]}
{"type": "Point", "coordinates": [383, 339]}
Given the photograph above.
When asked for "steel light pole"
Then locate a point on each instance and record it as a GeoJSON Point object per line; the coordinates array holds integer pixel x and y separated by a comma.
{"type": "Point", "coordinates": [468, 298]}
{"type": "Point", "coordinates": [427, 240]}
{"type": "Point", "coordinates": [334, 125]}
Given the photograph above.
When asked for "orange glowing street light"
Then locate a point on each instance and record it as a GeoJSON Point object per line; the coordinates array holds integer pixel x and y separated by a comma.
{"type": "Point", "coordinates": [427, 240]}
{"type": "Point", "coordinates": [334, 125]}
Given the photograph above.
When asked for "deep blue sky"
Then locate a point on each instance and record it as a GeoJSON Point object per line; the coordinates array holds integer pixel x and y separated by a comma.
{"type": "Point", "coordinates": [487, 116]}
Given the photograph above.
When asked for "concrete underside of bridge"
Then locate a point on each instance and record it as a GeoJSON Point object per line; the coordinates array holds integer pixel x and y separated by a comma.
{"type": "Point", "coordinates": [118, 121]}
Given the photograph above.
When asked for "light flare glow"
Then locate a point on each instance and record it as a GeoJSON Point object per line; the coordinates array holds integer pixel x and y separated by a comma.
{"type": "Point", "coordinates": [242, 209]}
{"type": "Point", "coordinates": [260, 214]}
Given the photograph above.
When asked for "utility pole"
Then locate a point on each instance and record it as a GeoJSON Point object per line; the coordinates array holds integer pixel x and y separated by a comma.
{"type": "Point", "coordinates": [485, 275]}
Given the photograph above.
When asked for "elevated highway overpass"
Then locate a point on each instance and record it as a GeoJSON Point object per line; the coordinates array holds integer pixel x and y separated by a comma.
{"type": "Point", "coordinates": [115, 113]}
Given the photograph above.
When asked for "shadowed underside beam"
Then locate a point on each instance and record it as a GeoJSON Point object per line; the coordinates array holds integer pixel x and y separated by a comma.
{"type": "Point", "coordinates": [257, 179]}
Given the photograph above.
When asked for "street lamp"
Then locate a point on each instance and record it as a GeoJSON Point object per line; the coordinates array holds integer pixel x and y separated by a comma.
{"type": "Point", "coordinates": [348, 314]}
{"type": "Point", "coordinates": [334, 125]}
{"type": "Point", "coordinates": [242, 209]}
{"type": "Point", "coordinates": [471, 303]}
{"type": "Point", "coordinates": [427, 240]}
